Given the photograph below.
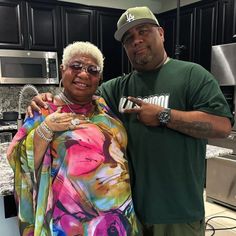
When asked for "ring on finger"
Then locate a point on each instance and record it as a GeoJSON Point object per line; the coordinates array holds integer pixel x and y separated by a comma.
{"type": "Point", "coordinates": [75, 122]}
{"type": "Point", "coordinates": [53, 119]}
{"type": "Point", "coordinates": [71, 127]}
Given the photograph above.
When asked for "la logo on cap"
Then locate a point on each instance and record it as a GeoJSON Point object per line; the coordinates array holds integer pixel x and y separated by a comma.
{"type": "Point", "coordinates": [129, 17]}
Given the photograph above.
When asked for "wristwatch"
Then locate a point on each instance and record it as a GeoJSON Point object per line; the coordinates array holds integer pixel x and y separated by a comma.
{"type": "Point", "coordinates": [164, 116]}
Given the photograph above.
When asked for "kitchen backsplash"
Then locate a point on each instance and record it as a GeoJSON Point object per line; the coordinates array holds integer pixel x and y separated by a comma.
{"type": "Point", "coordinates": [9, 96]}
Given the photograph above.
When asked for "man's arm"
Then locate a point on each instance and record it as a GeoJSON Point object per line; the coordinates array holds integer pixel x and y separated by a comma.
{"type": "Point", "coordinates": [197, 124]}
{"type": "Point", "coordinates": [38, 102]}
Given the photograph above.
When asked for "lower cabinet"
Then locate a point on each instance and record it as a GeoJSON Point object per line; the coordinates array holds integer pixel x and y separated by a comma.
{"type": "Point", "coordinates": [8, 218]}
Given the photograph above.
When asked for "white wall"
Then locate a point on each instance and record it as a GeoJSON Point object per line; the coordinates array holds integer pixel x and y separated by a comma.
{"type": "Point", "coordinates": [156, 6]}
{"type": "Point", "coordinates": [168, 5]}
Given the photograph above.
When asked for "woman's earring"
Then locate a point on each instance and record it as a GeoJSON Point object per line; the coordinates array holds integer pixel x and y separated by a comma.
{"type": "Point", "coordinates": [60, 86]}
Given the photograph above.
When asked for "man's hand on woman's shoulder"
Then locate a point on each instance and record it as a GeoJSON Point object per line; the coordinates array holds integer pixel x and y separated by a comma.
{"type": "Point", "coordinates": [38, 102]}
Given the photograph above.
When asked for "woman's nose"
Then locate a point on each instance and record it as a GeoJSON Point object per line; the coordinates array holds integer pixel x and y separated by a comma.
{"type": "Point", "coordinates": [83, 73]}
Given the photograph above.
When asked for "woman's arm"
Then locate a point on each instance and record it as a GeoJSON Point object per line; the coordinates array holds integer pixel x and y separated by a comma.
{"type": "Point", "coordinates": [42, 137]}
{"type": "Point", "coordinates": [45, 131]}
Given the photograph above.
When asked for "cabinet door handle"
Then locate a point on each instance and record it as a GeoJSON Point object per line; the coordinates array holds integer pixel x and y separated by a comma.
{"type": "Point", "coordinates": [30, 37]}
{"type": "Point", "coordinates": [22, 39]}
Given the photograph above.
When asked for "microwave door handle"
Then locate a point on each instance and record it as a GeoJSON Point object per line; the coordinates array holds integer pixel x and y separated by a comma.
{"type": "Point", "coordinates": [47, 68]}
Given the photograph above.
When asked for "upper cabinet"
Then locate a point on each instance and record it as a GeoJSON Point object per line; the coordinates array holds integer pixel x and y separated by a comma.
{"type": "Point", "coordinates": [77, 24]}
{"type": "Point", "coordinates": [227, 21]}
{"type": "Point", "coordinates": [168, 23]}
{"type": "Point", "coordinates": [11, 24]}
{"type": "Point", "coordinates": [205, 33]}
{"type": "Point", "coordinates": [186, 37]}
{"type": "Point", "coordinates": [43, 26]}
{"type": "Point", "coordinates": [51, 25]}
{"type": "Point", "coordinates": [28, 25]}
{"type": "Point", "coordinates": [116, 61]}
{"type": "Point", "coordinates": [202, 24]}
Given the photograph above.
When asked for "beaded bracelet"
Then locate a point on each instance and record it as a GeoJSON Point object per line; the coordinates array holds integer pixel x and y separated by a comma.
{"type": "Point", "coordinates": [45, 127]}
{"type": "Point", "coordinates": [42, 136]}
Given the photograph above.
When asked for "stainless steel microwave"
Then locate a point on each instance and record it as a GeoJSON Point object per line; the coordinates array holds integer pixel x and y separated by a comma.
{"type": "Point", "coordinates": [28, 67]}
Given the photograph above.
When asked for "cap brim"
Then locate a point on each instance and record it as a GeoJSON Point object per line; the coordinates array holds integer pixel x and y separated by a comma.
{"type": "Point", "coordinates": [120, 32]}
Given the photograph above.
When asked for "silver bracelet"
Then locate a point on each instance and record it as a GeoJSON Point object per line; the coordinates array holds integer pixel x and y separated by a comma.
{"type": "Point", "coordinates": [41, 135]}
{"type": "Point", "coordinates": [45, 127]}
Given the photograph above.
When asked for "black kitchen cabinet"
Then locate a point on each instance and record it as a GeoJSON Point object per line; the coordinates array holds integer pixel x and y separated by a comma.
{"type": "Point", "coordinates": [28, 25]}
{"type": "Point", "coordinates": [43, 26]}
{"type": "Point", "coordinates": [186, 33]}
{"type": "Point", "coordinates": [77, 24]}
{"type": "Point", "coordinates": [227, 21]}
{"type": "Point", "coordinates": [11, 24]}
{"type": "Point", "coordinates": [116, 61]}
{"type": "Point", "coordinates": [168, 23]}
{"type": "Point", "coordinates": [206, 33]}
{"type": "Point", "coordinates": [234, 21]}
{"type": "Point", "coordinates": [201, 26]}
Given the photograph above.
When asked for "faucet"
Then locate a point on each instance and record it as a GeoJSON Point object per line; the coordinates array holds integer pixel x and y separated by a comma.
{"type": "Point", "coordinates": [22, 91]}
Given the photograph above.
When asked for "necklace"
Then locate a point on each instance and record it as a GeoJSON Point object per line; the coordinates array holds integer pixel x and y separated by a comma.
{"type": "Point", "coordinates": [64, 98]}
{"type": "Point", "coordinates": [67, 102]}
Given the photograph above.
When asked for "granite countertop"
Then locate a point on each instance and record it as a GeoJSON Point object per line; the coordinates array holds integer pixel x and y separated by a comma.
{"type": "Point", "coordinates": [7, 176]}
{"type": "Point", "coordinates": [6, 173]}
{"type": "Point", "coordinates": [214, 151]}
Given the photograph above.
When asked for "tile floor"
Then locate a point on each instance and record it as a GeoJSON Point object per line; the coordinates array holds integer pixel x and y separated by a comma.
{"type": "Point", "coordinates": [216, 210]}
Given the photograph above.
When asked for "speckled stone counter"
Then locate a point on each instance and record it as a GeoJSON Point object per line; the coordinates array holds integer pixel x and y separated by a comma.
{"type": "Point", "coordinates": [214, 151]}
{"type": "Point", "coordinates": [6, 174]}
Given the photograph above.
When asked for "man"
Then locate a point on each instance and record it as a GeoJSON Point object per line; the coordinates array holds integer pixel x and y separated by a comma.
{"type": "Point", "coordinates": [169, 109]}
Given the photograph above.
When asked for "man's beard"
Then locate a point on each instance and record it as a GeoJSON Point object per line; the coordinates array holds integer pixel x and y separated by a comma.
{"type": "Point", "coordinates": [143, 60]}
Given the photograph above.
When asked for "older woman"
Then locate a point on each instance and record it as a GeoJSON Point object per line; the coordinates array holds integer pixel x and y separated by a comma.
{"type": "Point", "coordinates": [71, 173]}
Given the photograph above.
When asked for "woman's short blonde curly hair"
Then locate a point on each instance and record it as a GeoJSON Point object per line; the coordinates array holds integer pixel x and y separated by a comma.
{"type": "Point", "coordinates": [83, 48]}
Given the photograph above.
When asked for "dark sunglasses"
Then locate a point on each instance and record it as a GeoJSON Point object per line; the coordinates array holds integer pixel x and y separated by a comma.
{"type": "Point", "coordinates": [90, 69]}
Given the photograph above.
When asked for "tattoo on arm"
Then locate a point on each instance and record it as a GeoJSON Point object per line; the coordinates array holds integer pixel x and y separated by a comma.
{"type": "Point", "coordinates": [196, 129]}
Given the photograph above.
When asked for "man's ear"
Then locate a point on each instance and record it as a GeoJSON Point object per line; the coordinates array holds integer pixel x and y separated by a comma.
{"type": "Point", "coordinates": [161, 32]}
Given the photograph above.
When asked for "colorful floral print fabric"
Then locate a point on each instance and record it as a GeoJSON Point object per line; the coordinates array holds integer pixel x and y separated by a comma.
{"type": "Point", "coordinates": [82, 187]}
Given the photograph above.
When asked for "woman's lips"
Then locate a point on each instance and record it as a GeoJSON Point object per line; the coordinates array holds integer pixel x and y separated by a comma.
{"type": "Point", "coordinates": [80, 85]}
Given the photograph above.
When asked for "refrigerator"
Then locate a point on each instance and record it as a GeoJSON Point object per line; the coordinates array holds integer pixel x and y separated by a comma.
{"type": "Point", "coordinates": [221, 171]}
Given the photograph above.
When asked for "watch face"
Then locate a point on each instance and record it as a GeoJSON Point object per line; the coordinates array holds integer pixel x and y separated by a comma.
{"type": "Point", "coordinates": [164, 116]}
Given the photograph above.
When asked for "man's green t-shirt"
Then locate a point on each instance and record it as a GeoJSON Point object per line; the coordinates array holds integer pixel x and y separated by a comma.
{"type": "Point", "coordinates": [167, 167]}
